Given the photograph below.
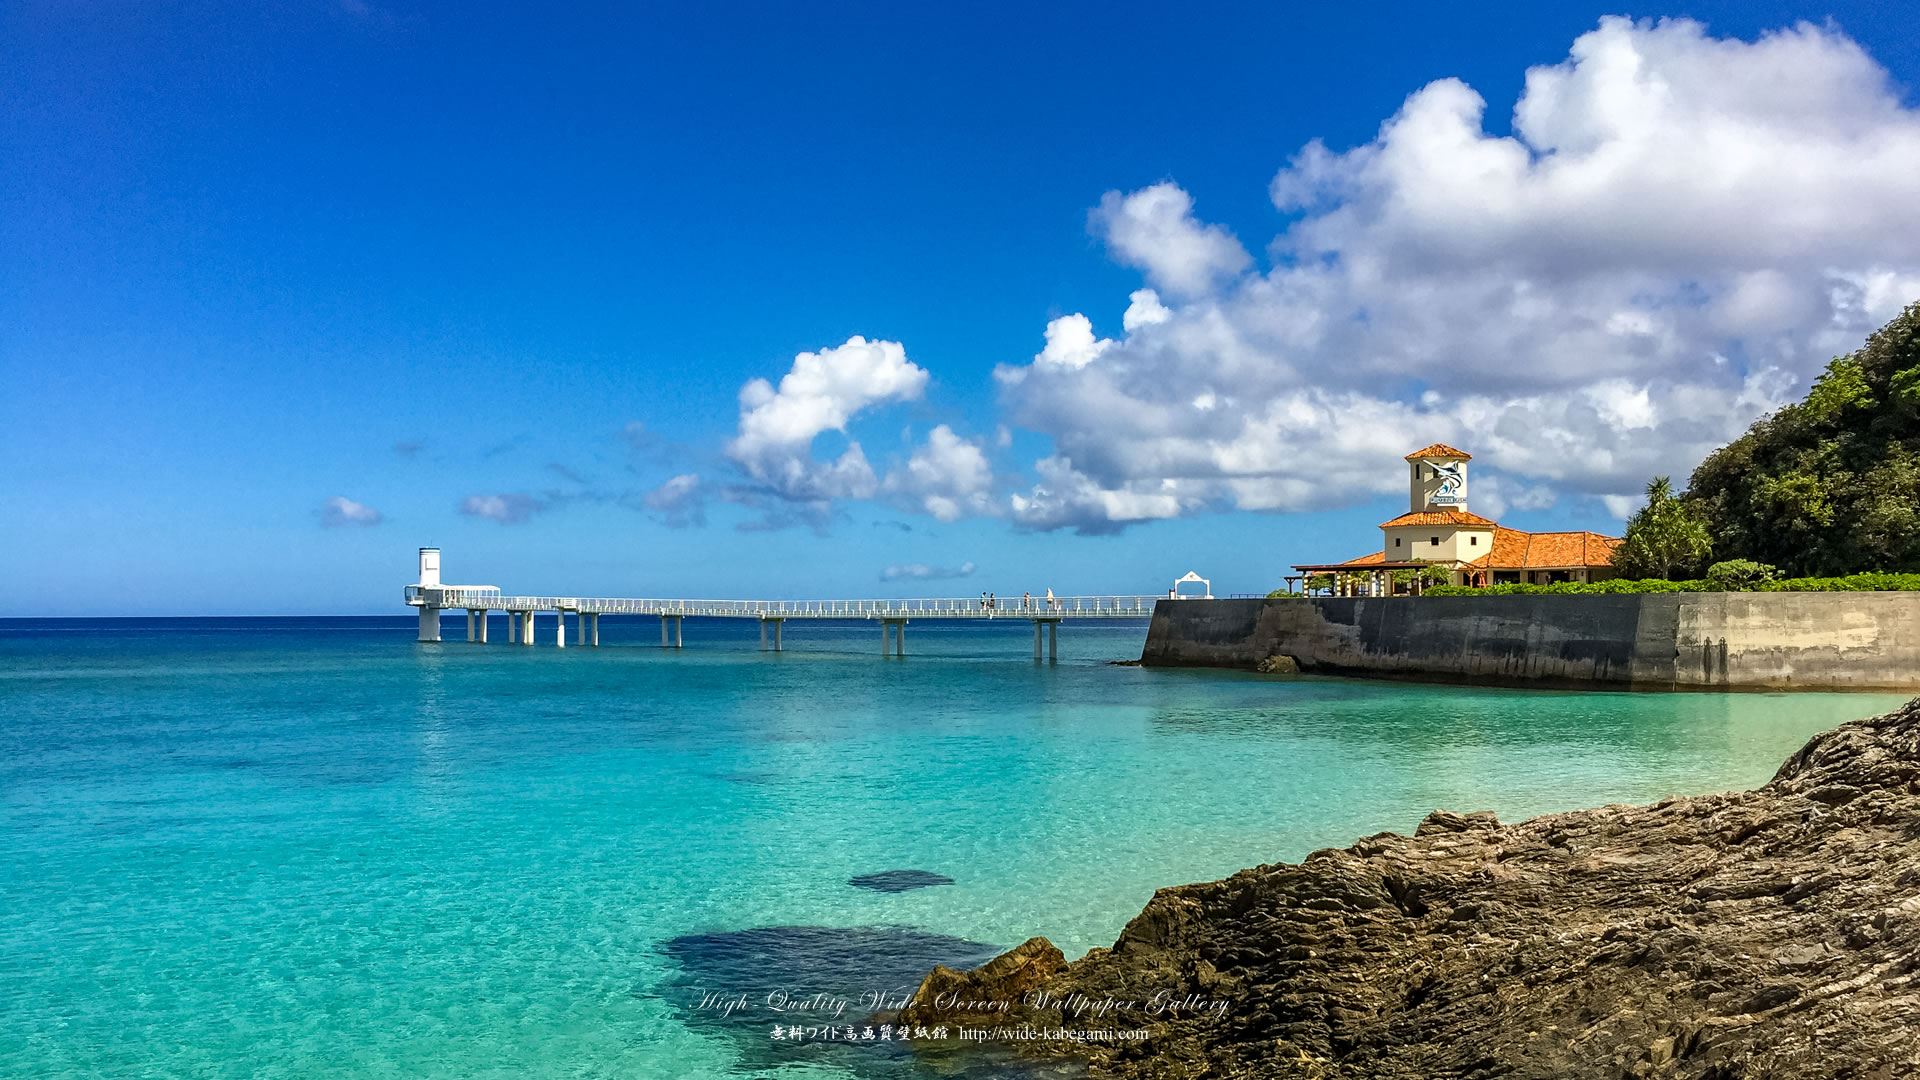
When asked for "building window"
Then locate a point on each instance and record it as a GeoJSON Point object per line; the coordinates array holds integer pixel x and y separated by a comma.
{"type": "Point", "coordinates": [1396, 541]}
{"type": "Point", "coordinates": [1473, 541]}
{"type": "Point", "coordinates": [1435, 541]}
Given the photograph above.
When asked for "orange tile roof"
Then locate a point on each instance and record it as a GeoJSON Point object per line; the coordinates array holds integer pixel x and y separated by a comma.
{"type": "Point", "coordinates": [1509, 549]}
{"type": "Point", "coordinates": [1570, 549]}
{"type": "Point", "coordinates": [1367, 560]}
{"type": "Point", "coordinates": [1516, 550]}
{"type": "Point", "coordinates": [1440, 449]}
{"type": "Point", "coordinates": [1439, 517]}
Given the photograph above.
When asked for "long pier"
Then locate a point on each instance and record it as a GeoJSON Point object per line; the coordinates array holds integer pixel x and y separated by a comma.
{"type": "Point", "coordinates": [480, 601]}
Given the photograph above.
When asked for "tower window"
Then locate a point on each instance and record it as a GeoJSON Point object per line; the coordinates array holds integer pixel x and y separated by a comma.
{"type": "Point", "coordinates": [1473, 541]}
{"type": "Point", "coordinates": [1396, 541]}
{"type": "Point", "coordinates": [1435, 541]}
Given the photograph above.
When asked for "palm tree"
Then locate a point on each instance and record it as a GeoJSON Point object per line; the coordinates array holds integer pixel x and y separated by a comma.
{"type": "Point", "coordinates": [1662, 535]}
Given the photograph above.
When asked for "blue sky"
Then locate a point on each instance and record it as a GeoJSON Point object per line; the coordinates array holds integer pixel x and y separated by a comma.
{"type": "Point", "coordinates": [498, 278]}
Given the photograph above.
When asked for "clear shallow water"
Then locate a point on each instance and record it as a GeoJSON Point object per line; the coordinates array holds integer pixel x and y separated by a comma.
{"type": "Point", "coordinates": [293, 848]}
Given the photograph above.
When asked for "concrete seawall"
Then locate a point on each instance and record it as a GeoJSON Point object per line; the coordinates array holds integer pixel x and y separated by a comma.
{"type": "Point", "coordinates": [1666, 641]}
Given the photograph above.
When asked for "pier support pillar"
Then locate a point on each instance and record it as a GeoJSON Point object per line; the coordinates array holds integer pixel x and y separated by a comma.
{"type": "Point", "coordinates": [559, 629]}
{"type": "Point", "coordinates": [893, 637]}
{"type": "Point", "coordinates": [1053, 638]}
{"type": "Point", "coordinates": [763, 635]}
{"type": "Point", "coordinates": [778, 626]}
{"type": "Point", "coordinates": [579, 628]}
{"type": "Point", "coordinates": [596, 629]}
{"type": "Point", "coordinates": [429, 623]}
{"type": "Point", "coordinates": [675, 619]}
{"type": "Point", "coordinates": [470, 637]}
{"type": "Point", "coordinates": [482, 625]}
{"type": "Point", "coordinates": [526, 627]}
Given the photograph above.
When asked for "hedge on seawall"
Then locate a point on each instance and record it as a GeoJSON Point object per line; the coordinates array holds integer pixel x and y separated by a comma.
{"type": "Point", "coordinates": [1871, 582]}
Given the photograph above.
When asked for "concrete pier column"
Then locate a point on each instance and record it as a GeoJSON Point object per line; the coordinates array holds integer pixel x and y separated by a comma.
{"type": "Point", "coordinates": [513, 627]}
{"type": "Point", "coordinates": [763, 635]}
{"type": "Point", "coordinates": [429, 623]}
{"type": "Point", "coordinates": [559, 629]}
{"type": "Point", "coordinates": [778, 624]}
{"type": "Point", "coordinates": [677, 620]}
{"type": "Point", "coordinates": [580, 628]}
{"type": "Point", "coordinates": [526, 627]}
{"type": "Point", "coordinates": [663, 631]}
{"type": "Point", "coordinates": [1053, 639]}
{"type": "Point", "coordinates": [484, 616]}
{"type": "Point", "coordinates": [1036, 639]}
{"type": "Point", "coordinates": [901, 639]}
{"type": "Point", "coordinates": [596, 629]}
{"type": "Point", "coordinates": [470, 624]}
{"type": "Point", "coordinates": [886, 637]}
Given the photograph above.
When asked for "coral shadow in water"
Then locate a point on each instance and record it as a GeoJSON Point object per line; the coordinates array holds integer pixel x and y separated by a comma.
{"type": "Point", "coordinates": [741, 983]}
{"type": "Point", "coordinates": [899, 880]}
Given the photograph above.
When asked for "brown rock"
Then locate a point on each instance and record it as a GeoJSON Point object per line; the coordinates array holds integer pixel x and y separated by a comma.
{"type": "Point", "coordinates": [993, 993]}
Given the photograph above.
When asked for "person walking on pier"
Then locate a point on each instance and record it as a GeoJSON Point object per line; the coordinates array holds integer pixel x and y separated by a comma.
{"type": "Point", "coordinates": [1051, 602]}
{"type": "Point", "coordinates": [1026, 601]}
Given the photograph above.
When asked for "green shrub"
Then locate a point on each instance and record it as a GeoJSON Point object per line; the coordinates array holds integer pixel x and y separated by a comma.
{"type": "Point", "coordinates": [1870, 582]}
{"type": "Point", "coordinates": [1740, 573]}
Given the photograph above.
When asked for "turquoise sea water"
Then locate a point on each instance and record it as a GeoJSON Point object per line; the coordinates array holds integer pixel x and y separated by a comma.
{"type": "Point", "coordinates": [302, 848]}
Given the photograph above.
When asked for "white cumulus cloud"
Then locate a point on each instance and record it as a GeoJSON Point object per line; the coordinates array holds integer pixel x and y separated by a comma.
{"type": "Point", "coordinates": [340, 511]}
{"type": "Point", "coordinates": [923, 572]}
{"type": "Point", "coordinates": [948, 477]}
{"type": "Point", "coordinates": [1678, 234]}
{"type": "Point", "coordinates": [1154, 230]}
{"type": "Point", "coordinates": [511, 508]}
{"type": "Point", "coordinates": [680, 502]}
{"type": "Point", "coordinates": [822, 392]}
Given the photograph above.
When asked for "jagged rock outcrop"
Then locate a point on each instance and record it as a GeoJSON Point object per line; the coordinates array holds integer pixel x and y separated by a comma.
{"type": "Point", "coordinates": [1769, 933]}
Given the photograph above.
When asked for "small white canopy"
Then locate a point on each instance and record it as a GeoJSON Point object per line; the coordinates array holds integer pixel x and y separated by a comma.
{"type": "Point", "coordinates": [1190, 578]}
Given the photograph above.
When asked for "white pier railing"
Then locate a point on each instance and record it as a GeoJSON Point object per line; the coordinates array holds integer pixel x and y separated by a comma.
{"type": "Point", "coordinates": [958, 607]}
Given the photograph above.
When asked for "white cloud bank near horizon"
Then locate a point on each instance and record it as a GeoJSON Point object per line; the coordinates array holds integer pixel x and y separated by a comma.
{"type": "Point", "coordinates": [1678, 234]}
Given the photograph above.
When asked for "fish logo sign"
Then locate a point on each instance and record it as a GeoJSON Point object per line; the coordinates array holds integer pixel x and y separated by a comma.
{"type": "Point", "coordinates": [1453, 485]}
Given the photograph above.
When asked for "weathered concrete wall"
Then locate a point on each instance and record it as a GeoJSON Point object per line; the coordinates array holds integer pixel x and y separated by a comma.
{"type": "Point", "coordinates": [1858, 641]}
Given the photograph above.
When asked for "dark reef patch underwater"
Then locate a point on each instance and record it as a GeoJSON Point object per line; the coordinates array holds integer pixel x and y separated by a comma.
{"type": "Point", "coordinates": [741, 984]}
{"type": "Point", "coordinates": [899, 880]}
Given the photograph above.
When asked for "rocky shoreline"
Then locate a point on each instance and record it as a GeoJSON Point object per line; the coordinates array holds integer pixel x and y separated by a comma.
{"type": "Point", "coordinates": [1768, 933]}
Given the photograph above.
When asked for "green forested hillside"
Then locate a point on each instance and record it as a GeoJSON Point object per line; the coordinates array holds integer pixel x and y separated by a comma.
{"type": "Point", "coordinates": [1830, 485]}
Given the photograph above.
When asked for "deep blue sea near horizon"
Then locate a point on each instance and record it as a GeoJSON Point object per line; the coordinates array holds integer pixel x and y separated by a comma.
{"type": "Point", "coordinates": [286, 848]}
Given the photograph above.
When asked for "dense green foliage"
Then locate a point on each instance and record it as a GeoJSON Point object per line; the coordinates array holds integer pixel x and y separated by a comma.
{"type": "Point", "coordinates": [1875, 582]}
{"type": "Point", "coordinates": [1830, 485]}
{"type": "Point", "coordinates": [1663, 536]}
{"type": "Point", "coordinates": [1740, 573]}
